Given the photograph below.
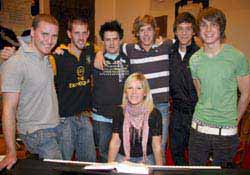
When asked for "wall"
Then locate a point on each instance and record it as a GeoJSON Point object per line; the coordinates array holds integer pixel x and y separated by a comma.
{"type": "Point", "coordinates": [105, 10]}
{"type": "Point", "coordinates": [44, 6]}
{"type": "Point", "coordinates": [238, 15]}
{"type": "Point", "coordinates": [127, 10]}
{"type": "Point", "coordinates": [14, 15]}
{"type": "Point", "coordinates": [237, 12]}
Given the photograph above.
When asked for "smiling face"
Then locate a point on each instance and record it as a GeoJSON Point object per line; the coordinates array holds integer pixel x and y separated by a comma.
{"type": "Point", "coordinates": [184, 33]}
{"type": "Point", "coordinates": [79, 35]}
{"type": "Point", "coordinates": [44, 37]}
{"type": "Point", "coordinates": [111, 42]}
{"type": "Point", "coordinates": [135, 92]}
{"type": "Point", "coordinates": [146, 36]}
{"type": "Point", "coordinates": [210, 32]}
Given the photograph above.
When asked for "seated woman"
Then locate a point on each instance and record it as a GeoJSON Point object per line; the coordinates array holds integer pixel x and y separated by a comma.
{"type": "Point", "coordinates": [137, 125]}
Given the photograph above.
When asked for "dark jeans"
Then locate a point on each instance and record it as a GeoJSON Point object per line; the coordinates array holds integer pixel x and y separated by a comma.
{"type": "Point", "coordinates": [223, 148]}
{"type": "Point", "coordinates": [179, 134]}
{"type": "Point", "coordinates": [102, 135]}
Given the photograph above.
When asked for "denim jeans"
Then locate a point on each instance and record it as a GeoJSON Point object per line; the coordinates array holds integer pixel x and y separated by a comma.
{"type": "Point", "coordinates": [163, 108]}
{"type": "Point", "coordinates": [223, 148]}
{"type": "Point", "coordinates": [102, 135]}
{"type": "Point", "coordinates": [150, 159]}
{"type": "Point", "coordinates": [43, 142]}
{"type": "Point", "coordinates": [77, 135]}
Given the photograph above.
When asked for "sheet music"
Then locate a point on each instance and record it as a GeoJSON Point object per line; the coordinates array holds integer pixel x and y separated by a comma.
{"type": "Point", "coordinates": [123, 167]}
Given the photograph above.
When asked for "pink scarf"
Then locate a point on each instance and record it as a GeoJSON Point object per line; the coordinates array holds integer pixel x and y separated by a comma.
{"type": "Point", "coordinates": [136, 117]}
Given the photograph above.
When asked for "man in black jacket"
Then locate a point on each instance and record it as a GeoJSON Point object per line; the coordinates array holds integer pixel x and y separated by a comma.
{"type": "Point", "coordinates": [73, 84]}
{"type": "Point", "coordinates": [182, 90]}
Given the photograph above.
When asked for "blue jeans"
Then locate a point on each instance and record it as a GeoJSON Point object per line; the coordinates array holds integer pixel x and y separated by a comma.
{"type": "Point", "coordinates": [163, 108]}
{"type": "Point", "coordinates": [43, 142]}
{"type": "Point", "coordinates": [102, 135]}
{"type": "Point", "coordinates": [150, 159]}
{"type": "Point", "coordinates": [77, 134]}
{"type": "Point", "coordinates": [223, 148]}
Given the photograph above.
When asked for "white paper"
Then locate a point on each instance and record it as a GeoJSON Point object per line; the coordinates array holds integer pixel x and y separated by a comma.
{"type": "Point", "coordinates": [124, 167]}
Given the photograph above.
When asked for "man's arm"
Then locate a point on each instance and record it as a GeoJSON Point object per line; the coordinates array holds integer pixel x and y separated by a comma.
{"type": "Point", "coordinates": [156, 145]}
{"type": "Point", "coordinates": [53, 64]}
{"type": "Point", "coordinates": [114, 146]}
{"type": "Point", "coordinates": [10, 101]}
{"type": "Point", "coordinates": [244, 88]}
{"type": "Point", "coordinates": [99, 61]}
{"type": "Point", "coordinates": [197, 86]}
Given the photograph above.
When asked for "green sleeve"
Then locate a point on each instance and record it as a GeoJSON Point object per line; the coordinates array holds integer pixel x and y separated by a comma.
{"type": "Point", "coordinates": [242, 68]}
{"type": "Point", "coordinates": [193, 66]}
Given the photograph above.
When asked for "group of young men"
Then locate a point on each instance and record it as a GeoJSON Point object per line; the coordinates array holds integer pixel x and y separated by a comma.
{"type": "Point", "coordinates": [205, 113]}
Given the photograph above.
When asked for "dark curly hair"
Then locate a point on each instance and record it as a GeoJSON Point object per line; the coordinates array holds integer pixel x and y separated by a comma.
{"type": "Point", "coordinates": [113, 26]}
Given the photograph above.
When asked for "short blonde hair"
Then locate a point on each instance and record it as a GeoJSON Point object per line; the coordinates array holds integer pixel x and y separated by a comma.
{"type": "Point", "coordinates": [148, 100]}
{"type": "Point", "coordinates": [45, 18]}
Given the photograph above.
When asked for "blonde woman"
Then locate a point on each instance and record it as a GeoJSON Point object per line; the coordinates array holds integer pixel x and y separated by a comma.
{"type": "Point", "coordinates": [137, 125]}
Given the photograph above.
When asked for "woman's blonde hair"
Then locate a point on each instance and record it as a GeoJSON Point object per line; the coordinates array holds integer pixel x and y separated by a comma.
{"type": "Point", "coordinates": [148, 100]}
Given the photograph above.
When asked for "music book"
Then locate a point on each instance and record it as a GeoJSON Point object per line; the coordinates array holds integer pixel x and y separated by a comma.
{"type": "Point", "coordinates": [123, 167]}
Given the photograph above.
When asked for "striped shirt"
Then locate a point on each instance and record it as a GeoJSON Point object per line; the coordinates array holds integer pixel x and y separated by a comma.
{"type": "Point", "coordinates": [154, 64]}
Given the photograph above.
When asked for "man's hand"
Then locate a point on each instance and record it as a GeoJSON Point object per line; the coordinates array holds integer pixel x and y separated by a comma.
{"type": "Point", "coordinates": [10, 102]}
{"type": "Point", "coordinates": [58, 51]}
{"type": "Point", "coordinates": [7, 52]}
{"type": "Point", "coordinates": [159, 40]}
{"type": "Point", "coordinates": [99, 61]}
{"type": "Point", "coordinates": [8, 161]}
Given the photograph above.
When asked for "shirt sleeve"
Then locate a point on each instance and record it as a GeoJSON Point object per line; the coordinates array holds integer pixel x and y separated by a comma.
{"type": "Point", "coordinates": [155, 122]}
{"type": "Point", "coordinates": [11, 75]}
{"type": "Point", "coordinates": [193, 65]}
{"type": "Point", "coordinates": [242, 68]}
{"type": "Point", "coordinates": [124, 49]}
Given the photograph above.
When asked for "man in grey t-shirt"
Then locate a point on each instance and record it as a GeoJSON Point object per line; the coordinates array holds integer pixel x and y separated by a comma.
{"type": "Point", "coordinates": [29, 94]}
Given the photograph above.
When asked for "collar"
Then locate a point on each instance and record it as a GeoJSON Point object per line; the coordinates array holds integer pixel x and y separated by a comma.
{"type": "Point", "coordinates": [111, 56]}
{"type": "Point", "coordinates": [189, 47]}
{"type": "Point", "coordinates": [25, 42]}
{"type": "Point", "coordinates": [66, 47]}
{"type": "Point", "coordinates": [137, 46]}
